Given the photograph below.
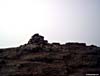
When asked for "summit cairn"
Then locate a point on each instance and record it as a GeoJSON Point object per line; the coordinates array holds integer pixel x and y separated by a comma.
{"type": "Point", "coordinates": [37, 39]}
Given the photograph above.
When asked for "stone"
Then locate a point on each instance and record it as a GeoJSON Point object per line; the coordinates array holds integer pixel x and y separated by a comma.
{"type": "Point", "coordinates": [40, 58]}
{"type": "Point", "coordinates": [37, 39]}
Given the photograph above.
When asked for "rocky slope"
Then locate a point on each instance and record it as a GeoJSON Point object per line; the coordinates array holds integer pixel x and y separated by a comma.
{"type": "Point", "coordinates": [40, 58]}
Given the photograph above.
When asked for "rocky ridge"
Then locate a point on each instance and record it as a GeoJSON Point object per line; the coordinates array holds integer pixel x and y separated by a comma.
{"type": "Point", "coordinates": [40, 58]}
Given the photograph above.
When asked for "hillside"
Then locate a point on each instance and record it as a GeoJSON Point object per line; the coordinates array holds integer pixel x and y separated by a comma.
{"type": "Point", "coordinates": [40, 58]}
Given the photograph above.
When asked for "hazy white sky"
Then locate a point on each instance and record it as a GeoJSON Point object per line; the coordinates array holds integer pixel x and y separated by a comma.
{"type": "Point", "coordinates": [58, 20]}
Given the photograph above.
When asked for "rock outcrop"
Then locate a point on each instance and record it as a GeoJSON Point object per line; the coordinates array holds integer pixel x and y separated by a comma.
{"type": "Point", "coordinates": [40, 58]}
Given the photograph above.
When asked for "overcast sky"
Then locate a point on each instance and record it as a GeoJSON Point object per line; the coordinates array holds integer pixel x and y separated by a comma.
{"type": "Point", "coordinates": [57, 20]}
